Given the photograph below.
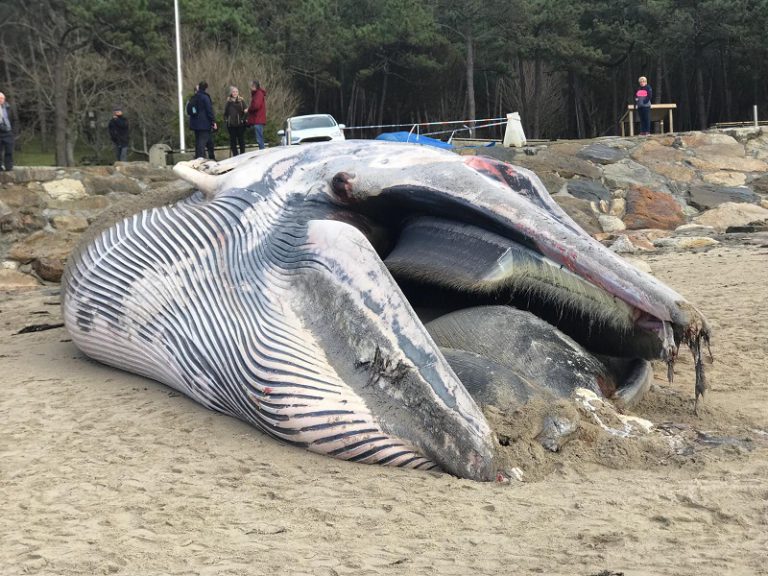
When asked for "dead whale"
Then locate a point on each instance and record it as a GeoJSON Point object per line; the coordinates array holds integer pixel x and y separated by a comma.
{"type": "Point", "coordinates": [294, 291]}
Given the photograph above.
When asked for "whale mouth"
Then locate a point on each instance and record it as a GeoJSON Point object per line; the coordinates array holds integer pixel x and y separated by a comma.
{"type": "Point", "coordinates": [509, 245]}
{"type": "Point", "coordinates": [483, 298]}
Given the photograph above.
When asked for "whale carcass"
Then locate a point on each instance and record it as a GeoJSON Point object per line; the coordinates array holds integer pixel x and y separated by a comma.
{"type": "Point", "coordinates": [361, 298]}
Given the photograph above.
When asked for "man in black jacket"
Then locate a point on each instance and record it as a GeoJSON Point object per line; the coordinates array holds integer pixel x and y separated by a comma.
{"type": "Point", "coordinates": [118, 132]}
{"type": "Point", "coordinates": [6, 135]}
{"type": "Point", "coordinates": [202, 121]}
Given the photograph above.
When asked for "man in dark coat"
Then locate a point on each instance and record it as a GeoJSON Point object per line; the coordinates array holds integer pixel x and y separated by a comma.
{"type": "Point", "coordinates": [6, 135]}
{"type": "Point", "coordinates": [202, 121]}
{"type": "Point", "coordinates": [118, 132]}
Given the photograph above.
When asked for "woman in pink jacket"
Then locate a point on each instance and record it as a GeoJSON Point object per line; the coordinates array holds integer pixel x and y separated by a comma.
{"type": "Point", "coordinates": [257, 112]}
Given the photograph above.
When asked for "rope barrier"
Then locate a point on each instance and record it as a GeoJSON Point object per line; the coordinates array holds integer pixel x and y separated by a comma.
{"type": "Point", "coordinates": [414, 124]}
{"type": "Point", "coordinates": [464, 128]}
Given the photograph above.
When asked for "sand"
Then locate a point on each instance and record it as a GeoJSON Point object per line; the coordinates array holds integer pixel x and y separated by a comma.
{"type": "Point", "coordinates": [103, 472]}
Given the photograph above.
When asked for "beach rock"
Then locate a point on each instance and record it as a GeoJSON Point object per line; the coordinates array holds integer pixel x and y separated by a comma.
{"type": "Point", "coordinates": [715, 162]}
{"type": "Point", "coordinates": [704, 196]}
{"type": "Point", "coordinates": [707, 141]}
{"type": "Point", "coordinates": [69, 222]}
{"type": "Point", "coordinates": [65, 189]}
{"type": "Point", "coordinates": [750, 228]}
{"type": "Point", "coordinates": [758, 147]}
{"type": "Point", "coordinates": [15, 280]}
{"type": "Point", "coordinates": [732, 214]}
{"type": "Point", "coordinates": [618, 207]}
{"type": "Point", "coordinates": [601, 153]}
{"type": "Point", "coordinates": [22, 174]}
{"type": "Point", "coordinates": [49, 269]}
{"type": "Point", "coordinates": [499, 153]}
{"type": "Point", "coordinates": [564, 166]}
{"type": "Point", "coordinates": [99, 185]}
{"type": "Point", "coordinates": [685, 242]}
{"type": "Point", "coordinates": [144, 171]}
{"type": "Point", "coordinates": [760, 185]}
{"type": "Point", "coordinates": [678, 173]}
{"type": "Point", "coordinates": [580, 211]}
{"type": "Point", "coordinates": [43, 244]}
{"type": "Point", "coordinates": [21, 222]}
{"type": "Point", "coordinates": [695, 230]}
{"type": "Point", "coordinates": [652, 152]}
{"type": "Point", "coordinates": [591, 190]}
{"type": "Point", "coordinates": [627, 173]}
{"type": "Point", "coordinates": [19, 197]}
{"type": "Point", "coordinates": [723, 178]}
{"type": "Point", "coordinates": [87, 204]}
{"type": "Point", "coordinates": [609, 223]}
{"type": "Point", "coordinates": [552, 182]}
{"type": "Point", "coordinates": [648, 208]}
{"type": "Point", "coordinates": [623, 245]}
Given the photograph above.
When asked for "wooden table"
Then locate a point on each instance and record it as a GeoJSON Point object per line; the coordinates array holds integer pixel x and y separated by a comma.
{"type": "Point", "coordinates": [658, 112]}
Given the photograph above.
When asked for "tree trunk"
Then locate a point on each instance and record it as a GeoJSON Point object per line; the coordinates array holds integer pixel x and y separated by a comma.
{"type": "Point", "coordinates": [471, 107]}
{"type": "Point", "coordinates": [686, 117]}
{"type": "Point", "coordinates": [658, 88]}
{"type": "Point", "coordinates": [701, 105]}
{"type": "Point", "coordinates": [384, 82]}
{"type": "Point", "coordinates": [316, 92]}
{"type": "Point", "coordinates": [537, 83]}
{"type": "Point", "coordinates": [61, 112]}
{"type": "Point", "coordinates": [727, 92]}
{"type": "Point", "coordinates": [523, 92]}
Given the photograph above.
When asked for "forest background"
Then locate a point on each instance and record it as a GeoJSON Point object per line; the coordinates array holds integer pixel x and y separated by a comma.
{"type": "Point", "coordinates": [568, 66]}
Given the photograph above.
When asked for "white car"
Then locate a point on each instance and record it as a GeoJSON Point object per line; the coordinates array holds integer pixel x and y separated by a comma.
{"type": "Point", "coordinates": [311, 128]}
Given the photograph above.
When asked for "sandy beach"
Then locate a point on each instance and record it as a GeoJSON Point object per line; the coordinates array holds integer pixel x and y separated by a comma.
{"type": "Point", "coordinates": [103, 472]}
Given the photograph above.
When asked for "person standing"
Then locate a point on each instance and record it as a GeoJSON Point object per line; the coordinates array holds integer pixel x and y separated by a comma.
{"type": "Point", "coordinates": [643, 98]}
{"type": "Point", "coordinates": [234, 116]}
{"type": "Point", "coordinates": [118, 132]}
{"type": "Point", "coordinates": [6, 135]}
{"type": "Point", "coordinates": [202, 120]}
{"type": "Point", "coordinates": [257, 112]}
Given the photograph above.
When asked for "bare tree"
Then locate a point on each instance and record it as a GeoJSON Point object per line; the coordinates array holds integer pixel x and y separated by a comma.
{"type": "Point", "coordinates": [222, 68]}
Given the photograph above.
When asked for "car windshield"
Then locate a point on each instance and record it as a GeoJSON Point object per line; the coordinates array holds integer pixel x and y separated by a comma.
{"type": "Point", "coordinates": [312, 122]}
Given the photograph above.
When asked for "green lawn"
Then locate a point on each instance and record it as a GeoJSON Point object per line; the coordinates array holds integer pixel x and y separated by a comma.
{"type": "Point", "coordinates": [28, 157]}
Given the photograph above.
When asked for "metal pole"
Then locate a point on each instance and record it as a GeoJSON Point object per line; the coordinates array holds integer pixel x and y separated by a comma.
{"type": "Point", "coordinates": [754, 114]}
{"type": "Point", "coordinates": [182, 144]}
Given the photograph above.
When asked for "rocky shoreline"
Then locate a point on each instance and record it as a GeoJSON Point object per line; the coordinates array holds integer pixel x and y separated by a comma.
{"type": "Point", "coordinates": [637, 195]}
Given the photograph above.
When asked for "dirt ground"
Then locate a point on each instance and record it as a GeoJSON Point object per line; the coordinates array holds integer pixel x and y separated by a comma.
{"type": "Point", "coordinates": [102, 472]}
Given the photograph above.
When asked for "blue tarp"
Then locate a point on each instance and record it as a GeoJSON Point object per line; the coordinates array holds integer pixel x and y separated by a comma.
{"type": "Point", "coordinates": [413, 139]}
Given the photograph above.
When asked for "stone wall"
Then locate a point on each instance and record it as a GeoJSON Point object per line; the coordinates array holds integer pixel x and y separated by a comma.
{"type": "Point", "coordinates": [643, 193]}
{"type": "Point", "coordinates": [633, 194]}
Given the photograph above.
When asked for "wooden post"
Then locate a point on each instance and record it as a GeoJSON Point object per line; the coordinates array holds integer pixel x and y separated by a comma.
{"type": "Point", "coordinates": [631, 122]}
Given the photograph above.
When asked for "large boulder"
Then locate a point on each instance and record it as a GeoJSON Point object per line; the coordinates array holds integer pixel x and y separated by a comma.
{"type": "Point", "coordinates": [648, 208]}
{"type": "Point", "coordinates": [563, 165]}
{"type": "Point", "coordinates": [705, 196]}
{"type": "Point", "coordinates": [602, 153]}
{"type": "Point", "coordinates": [732, 214]}
{"type": "Point", "coordinates": [43, 244]}
{"type": "Point", "coordinates": [115, 183]}
{"type": "Point", "coordinates": [13, 280]}
{"type": "Point", "coordinates": [590, 190]}
{"type": "Point", "coordinates": [628, 173]}
{"type": "Point", "coordinates": [760, 185]}
{"type": "Point", "coordinates": [580, 211]}
{"type": "Point", "coordinates": [65, 189]}
{"type": "Point", "coordinates": [20, 196]}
